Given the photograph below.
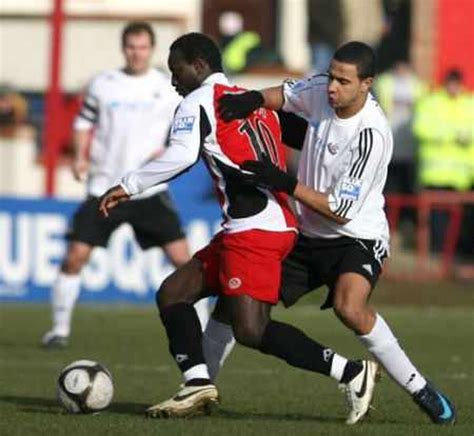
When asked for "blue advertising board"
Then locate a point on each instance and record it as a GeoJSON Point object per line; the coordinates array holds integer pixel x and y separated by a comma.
{"type": "Point", "coordinates": [32, 245]}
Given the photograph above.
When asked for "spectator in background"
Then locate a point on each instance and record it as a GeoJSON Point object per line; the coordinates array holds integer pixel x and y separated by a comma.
{"type": "Point", "coordinates": [325, 24]}
{"type": "Point", "coordinates": [443, 124]}
{"type": "Point", "coordinates": [13, 114]}
{"type": "Point", "coordinates": [398, 92]}
{"type": "Point", "coordinates": [239, 47]}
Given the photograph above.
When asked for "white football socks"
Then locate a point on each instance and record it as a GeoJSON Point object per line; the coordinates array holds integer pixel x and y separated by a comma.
{"type": "Point", "coordinates": [204, 308]}
{"type": "Point", "coordinates": [197, 371]}
{"type": "Point", "coordinates": [63, 298]}
{"type": "Point", "coordinates": [217, 342]}
{"type": "Point", "coordinates": [385, 347]}
{"type": "Point", "coordinates": [337, 367]}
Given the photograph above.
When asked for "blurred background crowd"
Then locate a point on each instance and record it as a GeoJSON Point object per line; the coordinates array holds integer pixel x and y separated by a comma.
{"type": "Point", "coordinates": [425, 79]}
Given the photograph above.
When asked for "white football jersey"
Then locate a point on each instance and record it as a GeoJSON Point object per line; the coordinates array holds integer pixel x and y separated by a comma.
{"type": "Point", "coordinates": [131, 118]}
{"type": "Point", "coordinates": [347, 159]}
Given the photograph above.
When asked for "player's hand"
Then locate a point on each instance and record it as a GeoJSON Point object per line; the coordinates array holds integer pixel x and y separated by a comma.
{"type": "Point", "coordinates": [111, 198]}
{"type": "Point", "coordinates": [235, 106]}
{"type": "Point", "coordinates": [267, 175]}
{"type": "Point", "coordinates": [80, 168]}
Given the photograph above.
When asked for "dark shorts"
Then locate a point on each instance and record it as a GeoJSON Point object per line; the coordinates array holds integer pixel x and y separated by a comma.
{"type": "Point", "coordinates": [315, 262]}
{"type": "Point", "coordinates": [154, 221]}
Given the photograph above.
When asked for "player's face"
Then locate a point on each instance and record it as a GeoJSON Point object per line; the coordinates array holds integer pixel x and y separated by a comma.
{"type": "Point", "coordinates": [453, 87]}
{"type": "Point", "coordinates": [185, 77]}
{"type": "Point", "coordinates": [345, 89]}
{"type": "Point", "coordinates": [138, 51]}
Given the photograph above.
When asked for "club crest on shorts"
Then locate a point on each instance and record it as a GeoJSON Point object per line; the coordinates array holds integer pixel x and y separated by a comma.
{"type": "Point", "coordinates": [235, 283]}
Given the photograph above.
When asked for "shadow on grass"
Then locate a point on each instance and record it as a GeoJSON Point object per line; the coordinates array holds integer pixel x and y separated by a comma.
{"type": "Point", "coordinates": [230, 414]}
{"type": "Point", "coordinates": [33, 404]}
{"type": "Point", "coordinates": [52, 406]}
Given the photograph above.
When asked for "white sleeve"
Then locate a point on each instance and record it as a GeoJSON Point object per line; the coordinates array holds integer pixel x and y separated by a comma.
{"type": "Point", "coordinates": [352, 188]}
{"type": "Point", "coordinates": [189, 129]}
{"type": "Point", "coordinates": [89, 113]}
{"type": "Point", "coordinates": [306, 97]}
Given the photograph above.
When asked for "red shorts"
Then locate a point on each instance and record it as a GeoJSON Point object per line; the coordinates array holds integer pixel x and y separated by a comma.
{"type": "Point", "coordinates": [246, 262]}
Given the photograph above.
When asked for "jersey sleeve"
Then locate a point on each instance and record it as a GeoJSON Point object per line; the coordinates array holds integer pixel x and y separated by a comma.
{"type": "Point", "coordinates": [305, 97]}
{"type": "Point", "coordinates": [173, 99]}
{"type": "Point", "coordinates": [352, 188]}
{"type": "Point", "coordinates": [89, 113]}
{"type": "Point", "coordinates": [188, 131]}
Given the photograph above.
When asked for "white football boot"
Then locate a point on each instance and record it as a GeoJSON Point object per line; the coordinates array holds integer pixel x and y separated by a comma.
{"type": "Point", "coordinates": [51, 340]}
{"type": "Point", "coordinates": [189, 401]}
{"type": "Point", "coordinates": [360, 391]}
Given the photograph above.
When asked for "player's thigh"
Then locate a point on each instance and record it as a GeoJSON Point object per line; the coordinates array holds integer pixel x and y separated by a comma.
{"type": "Point", "coordinates": [250, 318]}
{"type": "Point", "coordinates": [185, 285]}
{"type": "Point", "coordinates": [351, 292]}
{"type": "Point", "coordinates": [156, 223]}
{"type": "Point", "coordinates": [177, 252]}
{"type": "Point", "coordinates": [89, 226]}
{"type": "Point", "coordinates": [357, 274]}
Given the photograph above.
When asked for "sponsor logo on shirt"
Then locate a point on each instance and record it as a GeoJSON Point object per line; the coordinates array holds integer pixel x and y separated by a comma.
{"type": "Point", "coordinates": [129, 106]}
{"type": "Point", "coordinates": [350, 188]}
{"type": "Point", "coordinates": [298, 85]}
{"type": "Point", "coordinates": [183, 125]}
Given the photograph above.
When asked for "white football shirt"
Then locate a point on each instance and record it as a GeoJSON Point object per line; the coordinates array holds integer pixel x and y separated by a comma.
{"type": "Point", "coordinates": [347, 159]}
{"type": "Point", "coordinates": [131, 117]}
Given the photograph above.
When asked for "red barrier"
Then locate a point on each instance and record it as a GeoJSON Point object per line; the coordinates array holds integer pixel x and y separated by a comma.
{"type": "Point", "coordinates": [423, 204]}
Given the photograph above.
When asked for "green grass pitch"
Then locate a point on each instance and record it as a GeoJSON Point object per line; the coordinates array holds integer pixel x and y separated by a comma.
{"type": "Point", "coordinates": [260, 395]}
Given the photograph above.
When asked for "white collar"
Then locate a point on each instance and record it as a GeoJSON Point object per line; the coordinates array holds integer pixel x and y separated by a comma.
{"type": "Point", "coordinates": [216, 78]}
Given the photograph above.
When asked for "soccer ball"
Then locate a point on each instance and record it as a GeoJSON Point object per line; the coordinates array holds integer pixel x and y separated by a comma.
{"type": "Point", "coordinates": [85, 386]}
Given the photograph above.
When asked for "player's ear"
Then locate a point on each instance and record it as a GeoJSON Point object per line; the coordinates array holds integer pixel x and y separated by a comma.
{"type": "Point", "coordinates": [367, 83]}
{"type": "Point", "coordinates": [200, 65]}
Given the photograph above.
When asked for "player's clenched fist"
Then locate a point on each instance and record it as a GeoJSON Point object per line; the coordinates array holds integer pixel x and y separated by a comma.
{"type": "Point", "coordinates": [235, 106]}
{"type": "Point", "coordinates": [111, 198]}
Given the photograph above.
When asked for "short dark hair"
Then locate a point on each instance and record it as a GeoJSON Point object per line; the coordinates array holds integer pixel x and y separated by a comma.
{"type": "Point", "coordinates": [453, 75]}
{"type": "Point", "coordinates": [358, 54]}
{"type": "Point", "coordinates": [199, 46]}
{"type": "Point", "coordinates": [137, 27]}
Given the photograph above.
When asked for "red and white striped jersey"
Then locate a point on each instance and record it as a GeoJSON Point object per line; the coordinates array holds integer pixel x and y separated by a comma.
{"type": "Point", "coordinates": [197, 131]}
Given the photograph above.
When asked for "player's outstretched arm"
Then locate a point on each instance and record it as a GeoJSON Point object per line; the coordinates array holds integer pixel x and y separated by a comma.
{"type": "Point", "coordinates": [236, 106]}
{"type": "Point", "coordinates": [317, 201]}
{"type": "Point", "coordinates": [111, 198]}
{"type": "Point", "coordinates": [267, 175]}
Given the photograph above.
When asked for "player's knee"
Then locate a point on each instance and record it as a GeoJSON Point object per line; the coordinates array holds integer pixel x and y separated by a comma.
{"type": "Point", "coordinates": [165, 296]}
{"type": "Point", "coordinates": [249, 334]}
{"type": "Point", "coordinates": [349, 313]}
{"type": "Point", "coordinates": [74, 262]}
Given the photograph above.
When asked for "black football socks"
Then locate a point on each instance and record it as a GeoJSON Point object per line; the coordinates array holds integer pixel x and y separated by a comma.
{"type": "Point", "coordinates": [184, 335]}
